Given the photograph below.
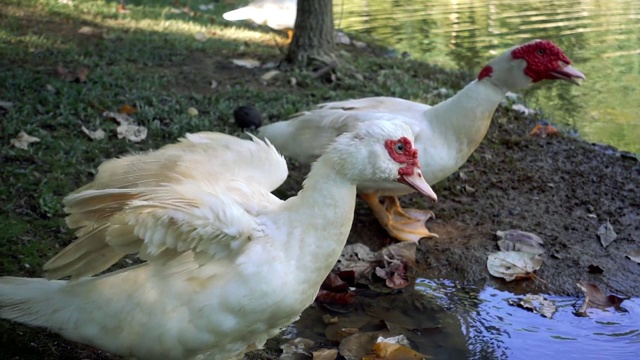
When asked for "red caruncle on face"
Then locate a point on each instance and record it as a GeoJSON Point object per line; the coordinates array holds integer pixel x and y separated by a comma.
{"type": "Point", "coordinates": [542, 58]}
{"type": "Point", "coordinates": [403, 152]}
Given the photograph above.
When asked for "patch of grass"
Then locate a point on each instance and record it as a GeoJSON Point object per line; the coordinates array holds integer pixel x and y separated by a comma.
{"type": "Point", "coordinates": [150, 59]}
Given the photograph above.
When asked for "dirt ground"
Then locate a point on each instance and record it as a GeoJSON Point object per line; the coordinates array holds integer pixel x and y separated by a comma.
{"type": "Point", "coordinates": [559, 187]}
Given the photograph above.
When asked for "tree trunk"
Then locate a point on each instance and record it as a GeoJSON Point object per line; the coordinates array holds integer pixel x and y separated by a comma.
{"type": "Point", "coordinates": [313, 35]}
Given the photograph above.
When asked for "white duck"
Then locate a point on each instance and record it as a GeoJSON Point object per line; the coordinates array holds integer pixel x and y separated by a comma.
{"type": "Point", "coordinates": [446, 134]}
{"type": "Point", "coordinates": [276, 14]}
{"type": "Point", "coordinates": [228, 264]}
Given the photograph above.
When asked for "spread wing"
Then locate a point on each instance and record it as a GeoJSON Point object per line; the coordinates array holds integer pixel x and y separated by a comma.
{"type": "Point", "coordinates": [201, 195]}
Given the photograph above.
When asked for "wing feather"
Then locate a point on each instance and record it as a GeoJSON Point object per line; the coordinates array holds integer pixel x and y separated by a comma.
{"type": "Point", "coordinates": [209, 209]}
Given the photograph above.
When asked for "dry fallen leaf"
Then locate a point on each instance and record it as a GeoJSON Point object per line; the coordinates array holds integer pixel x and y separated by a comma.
{"type": "Point", "coordinates": [390, 351]}
{"type": "Point", "coordinates": [606, 234]}
{"type": "Point", "coordinates": [95, 135]}
{"type": "Point", "coordinates": [80, 75]}
{"type": "Point", "coordinates": [269, 75]}
{"type": "Point", "coordinates": [127, 127]}
{"type": "Point", "coordinates": [23, 140]}
{"type": "Point", "coordinates": [88, 30]}
{"type": "Point", "coordinates": [516, 240]}
{"type": "Point", "coordinates": [325, 354]}
{"type": "Point", "coordinates": [512, 265]}
{"type": "Point", "coordinates": [357, 258]}
{"type": "Point", "coordinates": [634, 256]}
{"type": "Point", "coordinates": [356, 346]}
{"type": "Point", "coordinates": [594, 298]}
{"type": "Point", "coordinates": [296, 349]}
{"type": "Point", "coordinates": [127, 109]}
{"type": "Point", "coordinates": [248, 63]}
{"type": "Point", "coordinates": [543, 130]}
{"type": "Point", "coordinates": [334, 291]}
{"type": "Point", "coordinates": [536, 304]}
{"type": "Point", "coordinates": [192, 111]}
{"type": "Point", "coordinates": [200, 36]}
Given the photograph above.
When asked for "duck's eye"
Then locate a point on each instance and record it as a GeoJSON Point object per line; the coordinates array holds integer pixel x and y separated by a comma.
{"type": "Point", "coordinates": [540, 51]}
{"type": "Point", "coordinates": [399, 148]}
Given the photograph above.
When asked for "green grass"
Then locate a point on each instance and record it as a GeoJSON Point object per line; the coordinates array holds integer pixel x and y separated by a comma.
{"type": "Point", "coordinates": [150, 59]}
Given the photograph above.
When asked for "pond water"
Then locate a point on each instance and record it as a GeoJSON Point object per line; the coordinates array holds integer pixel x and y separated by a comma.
{"type": "Point", "coordinates": [496, 330]}
{"type": "Point", "coordinates": [602, 38]}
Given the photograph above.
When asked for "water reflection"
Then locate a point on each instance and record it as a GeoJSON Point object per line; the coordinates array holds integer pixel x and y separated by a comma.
{"type": "Point", "coordinates": [494, 329]}
{"type": "Point", "coordinates": [601, 37]}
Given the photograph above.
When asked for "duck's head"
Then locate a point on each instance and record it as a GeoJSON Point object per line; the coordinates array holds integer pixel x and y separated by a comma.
{"type": "Point", "coordinates": [380, 150]}
{"type": "Point", "coordinates": [529, 63]}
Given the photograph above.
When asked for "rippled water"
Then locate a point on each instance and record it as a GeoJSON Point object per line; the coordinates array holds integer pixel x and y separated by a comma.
{"type": "Point", "coordinates": [601, 37]}
{"type": "Point", "coordinates": [496, 330]}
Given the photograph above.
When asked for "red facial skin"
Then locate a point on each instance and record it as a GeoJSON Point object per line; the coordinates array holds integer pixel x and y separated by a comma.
{"type": "Point", "coordinates": [407, 155]}
{"type": "Point", "coordinates": [542, 57]}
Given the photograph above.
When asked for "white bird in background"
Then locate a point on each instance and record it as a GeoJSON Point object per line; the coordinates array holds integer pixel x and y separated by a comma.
{"type": "Point", "coordinates": [276, 14]}
{"type": "Point", "coordinates": [446, 134]}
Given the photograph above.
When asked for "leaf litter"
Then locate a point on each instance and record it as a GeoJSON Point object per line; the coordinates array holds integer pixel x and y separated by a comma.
{"type": "Point", "coordinates": [513, 265]}
{"type": "Point", "coordinates": [94, 135]}
{"type": "Point", "coordinates": [23, 140]}
{"type": "Point", "coordinates": [594, 298]}
{"type": "Point", "coordinates": [606, 234]}
{"type": "Point", "coordinates": [634, 256]}
{"type": "Point", "coordinates": [518, 240]}
{"type": "Point", "coordinates": [127, 127]}
{"type": "Point", "coordinates": [537, 304]}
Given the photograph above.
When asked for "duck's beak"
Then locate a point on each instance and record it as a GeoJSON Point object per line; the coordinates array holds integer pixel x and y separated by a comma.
{"type": "Point", "coordinates": [417, 182]}
{"type": "Point", "coordinates": [568, 73]}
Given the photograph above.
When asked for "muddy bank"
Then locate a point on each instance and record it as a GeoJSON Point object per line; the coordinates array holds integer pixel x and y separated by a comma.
{"type": "Point", "coordinates": [559, 187]}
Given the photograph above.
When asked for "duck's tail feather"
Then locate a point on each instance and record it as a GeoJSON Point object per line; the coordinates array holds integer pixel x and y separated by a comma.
{"type": "Point", "coordinates": [35, 302]}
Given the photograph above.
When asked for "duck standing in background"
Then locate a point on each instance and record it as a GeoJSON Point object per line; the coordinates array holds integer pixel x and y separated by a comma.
{"type": "Point", "coordinates": [276, 14]}
{"type": "Point", "coordinates": [227, 263]}
{"type": "Point", "coordinates": [446, 134]}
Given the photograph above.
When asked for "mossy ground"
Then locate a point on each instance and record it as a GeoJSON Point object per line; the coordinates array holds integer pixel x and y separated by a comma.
{"type": "Point", "coordinates": [150, 58]}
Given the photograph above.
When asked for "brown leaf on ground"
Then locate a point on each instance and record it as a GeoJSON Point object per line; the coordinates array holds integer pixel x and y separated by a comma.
{"type": "Point", "coordinates": [393, 351]}
{"type": "Point", "coordinates": [544, 130]}
{"type": "Point", "coordinates": [330, 297]}
{"type": "Point", "coordinates": [80, 75]}
{"type": "Point", "coordinates": [390, 263]}
{"type": "Point", "coordinates": [127, 109]}
{"type": "Point", "coordinates": [325, 354]}
{"type": "Point", "coordinates": [296, 349]}
{"type": "Point", "coordinates": [512, 265]}
{"type": "Point", "coordinates": [356, 346]}
{"type": "Point", "coordinates": [23, 140]}
{"type": "Point", "coordinates": [595, 298]}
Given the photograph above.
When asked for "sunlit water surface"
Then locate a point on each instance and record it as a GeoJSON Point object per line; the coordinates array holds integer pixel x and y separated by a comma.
{"type": "Point", "coordinates": [601, 37]}
{"type": "Point", "coordinates": [496, 330]}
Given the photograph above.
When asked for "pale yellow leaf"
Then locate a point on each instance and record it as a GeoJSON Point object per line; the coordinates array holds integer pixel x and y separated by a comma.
{"type": "Point", "coordinates": [269, 75]}
{"type": "Point", "coordinates": [95, 135]}
{"type": "Point", "coordinates": [248, 63]}
{"type": "Point", "coordinates": [23, 140]}
{"type": "Point", "coordinates": [512, 265]}
{"type": "Point", "coordinates": [200, 36]}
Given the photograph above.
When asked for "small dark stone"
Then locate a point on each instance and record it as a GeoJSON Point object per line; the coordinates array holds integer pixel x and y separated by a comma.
{"type": "Point", "coordinates": [247, 117]}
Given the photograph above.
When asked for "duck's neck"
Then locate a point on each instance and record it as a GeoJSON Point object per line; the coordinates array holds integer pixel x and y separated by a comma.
{"type": "Point", "coordinates": [461, 122]}
{"type": "Point", "coordinates": [319, 219]}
